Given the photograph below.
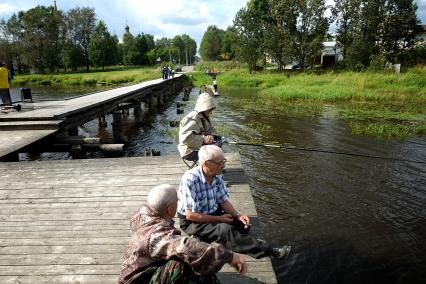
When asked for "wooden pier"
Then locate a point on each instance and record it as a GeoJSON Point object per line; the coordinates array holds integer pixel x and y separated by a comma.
{"type": "Point", "coordinates": [68, 221]}
{"type": "Point", "coordinates": [21, 129]}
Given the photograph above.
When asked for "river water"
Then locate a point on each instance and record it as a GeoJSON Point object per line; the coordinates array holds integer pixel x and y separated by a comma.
{"type": "Point", "coordinates": [350, 219]}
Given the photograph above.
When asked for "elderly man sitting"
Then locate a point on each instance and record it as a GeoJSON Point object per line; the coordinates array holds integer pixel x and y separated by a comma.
{"type": "Point", "coordinates": [205, 211]}
{"type": "Point", "coordinates": [158, 253]}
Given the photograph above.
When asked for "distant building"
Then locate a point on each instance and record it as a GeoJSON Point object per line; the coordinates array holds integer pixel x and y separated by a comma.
{"type": "Point", "coordinates": [330, 55]}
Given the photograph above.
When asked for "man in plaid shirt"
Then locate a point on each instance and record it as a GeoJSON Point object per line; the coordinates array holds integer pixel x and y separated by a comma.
{"type": "Point", "coordinates": [205, 211]}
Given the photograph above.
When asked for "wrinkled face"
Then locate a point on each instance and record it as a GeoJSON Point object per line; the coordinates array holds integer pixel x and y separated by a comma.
{"type": "Point", "coordinates": [216, 165]}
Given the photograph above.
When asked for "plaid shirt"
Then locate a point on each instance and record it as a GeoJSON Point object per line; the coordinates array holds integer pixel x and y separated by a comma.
{"type": "Point", "coordinates": [197, 195]}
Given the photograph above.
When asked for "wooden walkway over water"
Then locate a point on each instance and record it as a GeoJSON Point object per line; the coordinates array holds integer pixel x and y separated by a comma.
{"type": "Point", "coordinates": [68, 221]}
{"type": "Point", "coordinates": [19, 129]}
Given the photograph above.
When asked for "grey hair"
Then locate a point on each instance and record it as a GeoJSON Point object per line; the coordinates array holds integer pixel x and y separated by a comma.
{"type": "Point", "coordinates": [161, 197]}
{"type": "Point", "coordinates": [208, 152]}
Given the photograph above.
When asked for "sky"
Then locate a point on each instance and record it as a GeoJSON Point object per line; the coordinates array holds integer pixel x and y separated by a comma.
{"type": "Point", "coordinates": [161, 18]}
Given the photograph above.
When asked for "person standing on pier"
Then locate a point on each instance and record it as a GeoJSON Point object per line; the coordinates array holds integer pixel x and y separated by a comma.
{"type": "Point", "coordinates": [196, 129]}
{"type": "Point", "coordinates": [4, 84]}
{"type": "Point", "coordinates": [158, 253]}
{"type": "Point", "coordinates": [215, 86]}
{"type": "Point", "coordinates": [205, 211]}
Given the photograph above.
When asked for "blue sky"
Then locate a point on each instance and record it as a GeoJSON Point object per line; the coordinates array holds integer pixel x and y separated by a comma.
{"type": "Point", "coordinates": [161, 18]}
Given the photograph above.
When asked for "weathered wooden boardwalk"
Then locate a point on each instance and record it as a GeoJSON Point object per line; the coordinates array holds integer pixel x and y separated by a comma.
{"type": "Point", "coordinates": [68, 221]}
{"type": "Point", "coordinates": [19, 129]}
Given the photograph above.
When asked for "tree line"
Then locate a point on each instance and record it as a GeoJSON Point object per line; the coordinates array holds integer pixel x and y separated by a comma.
{"type": "Point", "coordinates": [367, 32]}
{"type": "Point", "coordinates": [44, 39]}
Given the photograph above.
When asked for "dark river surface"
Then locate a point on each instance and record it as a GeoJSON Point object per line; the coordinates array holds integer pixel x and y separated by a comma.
{"type": "Point", "coordinates": [350, 219]}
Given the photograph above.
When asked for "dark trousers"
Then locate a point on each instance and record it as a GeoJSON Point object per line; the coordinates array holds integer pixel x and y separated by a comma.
{"type": "Point", "coordinates": [5, 96]}
{"type": "Point", "coordinates": [232, 236]}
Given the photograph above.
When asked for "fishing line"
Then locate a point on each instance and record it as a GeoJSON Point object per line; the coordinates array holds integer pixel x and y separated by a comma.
{"type": "Point", "coordinates": [291, 147]}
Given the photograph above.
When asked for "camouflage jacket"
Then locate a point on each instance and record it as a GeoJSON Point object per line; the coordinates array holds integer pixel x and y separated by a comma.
{"type": "Point", "coordinates": [154, 241]}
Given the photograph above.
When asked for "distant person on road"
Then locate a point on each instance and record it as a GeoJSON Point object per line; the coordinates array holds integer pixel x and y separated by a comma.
{"type": "Point", "coordinates": [196, 129]}
{"type": "Point", "coordinates": [5, 78]}
{"type": "Point", "coordinates": [205, 211]}
{"type": "Point", "coordinates": [158, 253]}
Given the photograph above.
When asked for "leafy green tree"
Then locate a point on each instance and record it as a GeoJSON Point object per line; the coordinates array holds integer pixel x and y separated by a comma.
{"type": "Point", "coordinates": [346, 13]}
{"type": "Point", "coordinates": [229, 43]}
{"type": "Point", "coordinates": [103, 47]}
{"type": "Point", "coordinates": [179, 44]}
{"type": "Point", "coordinates": [190, 49]}
{"type": "Point", "coordinates": [81, 23]}
{"type": "Point", "coordinates": [211, 44]}
{"type": "Point", "coordinates": [249, 38]}
{"type": "Point", "coordinates": [311, 30]}
{"type": "Point", "coordinates": [280, 31]}
{"type": "Point", "coordinates": [399, 29]}
{"type": "Point", "coordinates": [12, 47]}
{"type": "Point", "coordinates": [72, 55]}
{"type": "Point", "coordinates": [41, 29]}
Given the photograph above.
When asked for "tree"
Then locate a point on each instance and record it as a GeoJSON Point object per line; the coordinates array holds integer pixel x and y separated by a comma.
{"type": "Point", "coordinates": [211, 44]}
{"type": "Point", "coordinates": [280, 31]}
{"type": "Point", "coordinates": [179, 44]}
{"type": "Point", "coordinates": [399, 29]}
{"type": "Point", "coordinates": [229, 43]}
{"type": "Point", "coordinates": [72, 55]}
{"type": "Point", "coordinates": [41, 29]}
{"type": "Point", "coordinates": [249, 37]}
{"type": "Point", "coordinates": [12, 47]}
{"type": "Point", "coordinates": [311, 30]}
{"type": "Point", "coordinates": [190, 49]}
{"type": "Point", "coordinates": [81, 24]}
{"type": "Point", "coordinates": [103, 47]}
{"type": "Point", "coordinates": [347, 15]}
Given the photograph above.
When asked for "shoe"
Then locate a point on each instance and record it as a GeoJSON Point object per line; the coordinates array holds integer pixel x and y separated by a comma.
{"type": "Point", "coordinates": [280, 252]}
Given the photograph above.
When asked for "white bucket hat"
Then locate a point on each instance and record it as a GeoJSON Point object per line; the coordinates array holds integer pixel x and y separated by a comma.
{"type": "Point", "coordinates": [205, 102]}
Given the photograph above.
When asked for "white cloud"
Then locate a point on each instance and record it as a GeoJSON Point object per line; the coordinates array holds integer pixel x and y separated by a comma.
{"type": "Point", "coordinates": [6, 8]}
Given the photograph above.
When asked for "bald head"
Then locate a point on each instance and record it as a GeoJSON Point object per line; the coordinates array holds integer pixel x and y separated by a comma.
{"type": "Point", "coordinates": [161, 197]}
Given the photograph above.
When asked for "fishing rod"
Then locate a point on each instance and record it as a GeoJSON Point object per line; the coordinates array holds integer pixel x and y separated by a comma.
{"type": "Point", "coordinates": [291, 147]}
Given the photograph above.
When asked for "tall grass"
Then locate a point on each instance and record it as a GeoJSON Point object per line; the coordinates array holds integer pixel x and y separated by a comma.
{"type": "Point", "coordinates": [377, 103]}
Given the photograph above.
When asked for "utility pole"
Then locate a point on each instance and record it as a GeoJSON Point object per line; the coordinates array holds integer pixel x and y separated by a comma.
{"type": "Point", "coordinates": [186, 54]}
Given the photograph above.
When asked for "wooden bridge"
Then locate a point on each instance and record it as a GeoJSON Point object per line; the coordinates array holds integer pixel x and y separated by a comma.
{"type": "Point", "coordinates": [21, 129]}
{"type": "Point", "coordinates": [68, 221]}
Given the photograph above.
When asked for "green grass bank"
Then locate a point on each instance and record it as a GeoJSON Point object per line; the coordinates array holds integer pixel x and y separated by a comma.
{"type": "Point", "coordinates": [115, 77]}
{"type": "Point", "coordinates": [380, 104]}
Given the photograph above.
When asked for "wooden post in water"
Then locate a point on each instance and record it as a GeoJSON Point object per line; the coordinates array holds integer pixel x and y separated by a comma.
{"type": "Point", "coordinates": [102, 121]}
{"type": "Point", "coordinates": [116, 125]}
{"type": "Point", "coordinates": [73, 131]}
{"type": "Point", "coordinates": [137, 111]}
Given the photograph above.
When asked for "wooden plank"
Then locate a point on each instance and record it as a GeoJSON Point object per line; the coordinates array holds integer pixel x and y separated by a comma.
{"type": "Point", "coordinates": [12, 141]}
{"type": "Point", "coordinates": [66, 221]}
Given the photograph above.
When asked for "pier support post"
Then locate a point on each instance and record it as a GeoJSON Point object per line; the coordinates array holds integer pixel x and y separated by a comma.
{"type": "Point", "coordinates": [73, 131]}
{"type": "Point", "coordinates": [102, 121]}
{"type": "Point", "coordinates": [116, 126]}
{"type": "Point", "coordinates": [137, 111]}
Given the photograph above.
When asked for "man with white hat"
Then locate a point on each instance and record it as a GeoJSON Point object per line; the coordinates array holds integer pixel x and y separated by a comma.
{"type": "Point", "coordinates": [196, 129]}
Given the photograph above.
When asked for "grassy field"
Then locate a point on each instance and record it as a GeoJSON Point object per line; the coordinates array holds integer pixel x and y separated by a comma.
{"type": "Point", "coordinates": [377, 104]}
{"type": "Point", "coordinates": [90, 78]}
